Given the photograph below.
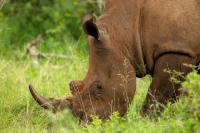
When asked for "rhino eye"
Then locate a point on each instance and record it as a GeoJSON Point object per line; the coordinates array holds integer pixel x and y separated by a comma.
{"type": "Point", "coordinates": [99, 87]}
{"type": "Point", "coordinates": [97, 90]}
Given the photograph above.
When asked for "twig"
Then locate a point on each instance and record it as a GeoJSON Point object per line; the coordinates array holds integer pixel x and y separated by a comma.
{"type": "Point", "coordinates": [1, 4]}
{"type": "Point", "coordinates": [32, 50]}
{"type": "Point", "coordinates": [35, 54]}
{"type": "Point", "coordinates": [48, 55]}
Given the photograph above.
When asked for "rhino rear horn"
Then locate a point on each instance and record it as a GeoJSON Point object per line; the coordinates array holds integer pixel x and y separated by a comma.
{"type": "Point", "coordinates": [50, 103]}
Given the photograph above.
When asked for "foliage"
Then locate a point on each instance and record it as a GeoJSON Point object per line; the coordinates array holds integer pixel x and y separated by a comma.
{"type": "Point", "coordinates": [59, 19]}
{"type": "Point", "coordinates": [18, 113]}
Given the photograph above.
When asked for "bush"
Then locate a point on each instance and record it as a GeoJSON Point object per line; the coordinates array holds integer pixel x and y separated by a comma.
{"type": "Point", "coordinates": [187, 110]}
{"type": "Point", "coordinates": [58, 19]}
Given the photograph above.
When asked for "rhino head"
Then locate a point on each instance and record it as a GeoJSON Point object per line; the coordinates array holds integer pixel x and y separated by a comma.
{"type": "Point", "coordinates": [109, 84]}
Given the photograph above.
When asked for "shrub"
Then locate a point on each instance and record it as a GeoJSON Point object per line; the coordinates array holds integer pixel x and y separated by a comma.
{"type": "Point", "coordinates": [58, 19]}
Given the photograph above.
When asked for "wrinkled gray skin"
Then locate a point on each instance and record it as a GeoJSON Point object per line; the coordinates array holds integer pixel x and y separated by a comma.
{"type": "Point", "coordinates": [133, 38]}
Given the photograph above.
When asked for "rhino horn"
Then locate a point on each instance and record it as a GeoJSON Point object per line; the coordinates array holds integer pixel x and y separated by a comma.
{"type": "Point", "coordinates": [50, 103]}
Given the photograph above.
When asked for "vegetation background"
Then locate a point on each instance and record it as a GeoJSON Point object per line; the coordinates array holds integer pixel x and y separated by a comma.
{"type": "Point", "coordinates": [59, 23]}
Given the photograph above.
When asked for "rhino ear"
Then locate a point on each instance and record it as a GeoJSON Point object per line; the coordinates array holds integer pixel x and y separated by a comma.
{"type": "Point", "coordinates": [89, 26]}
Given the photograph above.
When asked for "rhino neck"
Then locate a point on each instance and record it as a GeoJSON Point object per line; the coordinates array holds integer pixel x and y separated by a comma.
{"type": "Point", "coordinates": [122, 20]}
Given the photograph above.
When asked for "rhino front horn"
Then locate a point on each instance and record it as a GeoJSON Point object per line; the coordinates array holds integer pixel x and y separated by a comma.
{"type": "Point", "coordinates": [50, 103]}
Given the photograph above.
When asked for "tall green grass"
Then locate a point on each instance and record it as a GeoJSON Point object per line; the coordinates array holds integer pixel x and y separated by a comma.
{"type": "Point", "coordinates": [18, 111]}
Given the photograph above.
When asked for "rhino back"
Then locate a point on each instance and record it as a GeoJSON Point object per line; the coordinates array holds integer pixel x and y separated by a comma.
{"type": "Point", "coordinates": [170, 26]}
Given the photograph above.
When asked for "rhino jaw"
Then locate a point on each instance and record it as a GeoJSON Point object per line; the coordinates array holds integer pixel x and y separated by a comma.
{"type": "Point", "coordinates": [50, 103]}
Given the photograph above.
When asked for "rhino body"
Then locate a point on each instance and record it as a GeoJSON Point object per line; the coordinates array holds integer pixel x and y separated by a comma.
{"type": "Point", "coordinates": [133, 38]}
